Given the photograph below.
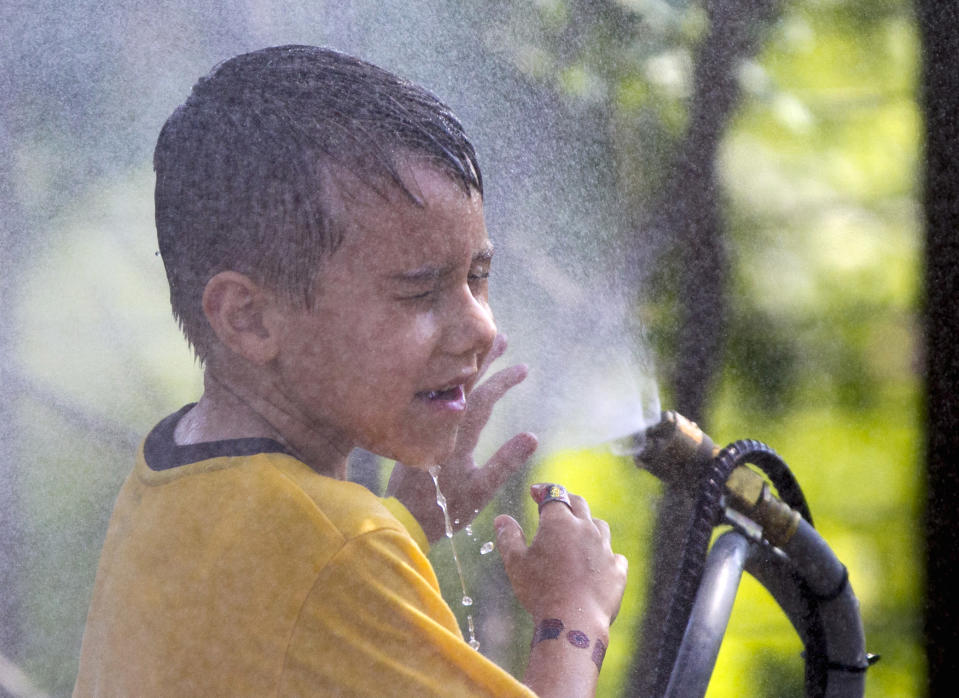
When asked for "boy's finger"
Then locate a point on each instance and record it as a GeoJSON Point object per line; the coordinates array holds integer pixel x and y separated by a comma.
{"type": "Point", "coordinates": [580, 507]}
{"type": "Point", "coordinates": [603, 529]}
{"type": "Point", "coordinates": [493, 388]}
{"type": "Point", "coordinates": [510, 540]}
{"type": "Point", "coordinates": [508, 459]}
{"type": "Point", "coordinates": [483, 399]}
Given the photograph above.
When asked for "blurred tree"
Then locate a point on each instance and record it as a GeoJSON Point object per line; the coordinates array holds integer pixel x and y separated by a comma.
{"type": "Point", "coordinates": [940, 104]}
{"type": "Point", "coordinates": [688, 218]}
{"type": "Point", "coordinates": [819, 164]}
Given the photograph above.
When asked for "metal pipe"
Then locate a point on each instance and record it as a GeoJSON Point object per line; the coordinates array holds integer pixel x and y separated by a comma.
{"type": "Point", "coordinates": [710, 616]}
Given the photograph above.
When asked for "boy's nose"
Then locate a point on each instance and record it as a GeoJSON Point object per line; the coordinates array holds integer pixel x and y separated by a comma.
{"type": "Point", "coordinates": [472, 329]}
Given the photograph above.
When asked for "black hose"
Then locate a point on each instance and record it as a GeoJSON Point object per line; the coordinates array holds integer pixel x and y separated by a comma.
{"type": "Point", "coordinates": [806, 615]}
{"type": "Point", "coordinates": [706, 515]}
{"type": "Point", "coordinates": [797, 601]}
{"type": "Point", "coordinates": [779, 474]}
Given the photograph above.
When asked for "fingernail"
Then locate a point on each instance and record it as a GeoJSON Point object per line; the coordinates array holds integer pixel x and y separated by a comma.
{"type": "Point", "coordinates": [532, 443]}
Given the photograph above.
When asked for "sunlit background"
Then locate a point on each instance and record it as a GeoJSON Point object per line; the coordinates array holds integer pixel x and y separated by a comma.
{"type": "Point", "coordinates": [577, 109]}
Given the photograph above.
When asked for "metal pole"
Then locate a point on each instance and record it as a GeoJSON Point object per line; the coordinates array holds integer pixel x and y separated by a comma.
{"type": "Point", "coordinates": [710, 616]}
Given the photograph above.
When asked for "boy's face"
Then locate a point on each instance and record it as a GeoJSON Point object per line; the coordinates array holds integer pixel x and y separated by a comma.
{"type": "Point", "coordinates": [401, 321]}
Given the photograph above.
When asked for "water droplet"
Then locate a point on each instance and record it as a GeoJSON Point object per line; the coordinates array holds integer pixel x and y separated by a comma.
{"type": "Point", "coordinates": [467, 600]}
{"type": "Point", "coordinates": [456, 522]}
{"type": "Point", "coordinates": [469, 530]}
{"type": "Point", "coordinates": [487, 548]}
{"type": "Point", "coordinates": [473, 642]}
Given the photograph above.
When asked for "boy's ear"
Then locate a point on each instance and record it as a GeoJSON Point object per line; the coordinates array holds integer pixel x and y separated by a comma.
{"type": "Point", "coordinates": [240, 311]}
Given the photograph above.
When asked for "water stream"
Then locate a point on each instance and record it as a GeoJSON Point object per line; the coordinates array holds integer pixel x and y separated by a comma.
{"type": "Point", "coordinates": [467, 599]}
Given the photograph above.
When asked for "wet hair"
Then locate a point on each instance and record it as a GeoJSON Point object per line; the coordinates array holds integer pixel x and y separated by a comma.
{"type": "Point", "coordinates": [244, 167]}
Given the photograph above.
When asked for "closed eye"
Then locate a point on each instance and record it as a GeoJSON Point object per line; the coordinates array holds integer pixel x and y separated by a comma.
{"type": "Point", "coordinates": [416, 296]}
{"type": "Point", "coordinates": [478, 277]}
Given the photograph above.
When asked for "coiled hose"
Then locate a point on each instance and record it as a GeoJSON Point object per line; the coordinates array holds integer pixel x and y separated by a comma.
{"type": "Point", "coordinates": [706, 515]}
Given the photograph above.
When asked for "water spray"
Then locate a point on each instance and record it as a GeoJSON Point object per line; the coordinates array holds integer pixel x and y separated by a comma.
{"type": "Point", "coordinates": [747, 486]}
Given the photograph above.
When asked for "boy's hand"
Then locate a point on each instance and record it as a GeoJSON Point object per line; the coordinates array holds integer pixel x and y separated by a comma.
{"type": "Point", "coordinates": [467, 488]}
{"type": "Point", "coordinates": [569, 570]}
{"type": "Point", "coordinates": [571, 582]}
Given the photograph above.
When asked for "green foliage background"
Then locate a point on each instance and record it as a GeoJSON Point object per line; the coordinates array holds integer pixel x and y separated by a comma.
{"type": "Point", "coordinates": [819, 176]}
{"type": "Point", "coordinates": [819, 172]}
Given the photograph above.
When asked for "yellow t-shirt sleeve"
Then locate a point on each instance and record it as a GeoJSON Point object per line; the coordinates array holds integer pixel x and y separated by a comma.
{"type": "Point", "coordinates": [374, 623]}
{"type": "Point", "coordinates": [403, 515]}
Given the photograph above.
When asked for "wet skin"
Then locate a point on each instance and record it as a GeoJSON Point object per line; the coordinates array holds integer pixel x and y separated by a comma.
{"type": "Point", "coordinates": [385, 358]}
{"type": "Point", "coordinates": [400, 325]}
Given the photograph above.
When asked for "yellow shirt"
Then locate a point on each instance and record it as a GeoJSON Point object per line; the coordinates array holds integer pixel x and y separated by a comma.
{"type": "Point", "coordinates": [246, 573]}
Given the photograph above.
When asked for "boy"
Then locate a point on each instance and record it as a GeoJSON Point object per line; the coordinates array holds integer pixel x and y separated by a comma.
{"type": "Point", "coordinates": [321, 225]}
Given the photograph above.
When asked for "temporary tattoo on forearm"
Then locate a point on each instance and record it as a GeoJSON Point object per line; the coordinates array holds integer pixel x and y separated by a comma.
{"type": "Point", "coordinates": [577, 638]}
{"type": "Point", "coordinates": [547, 629]}
{"type": "Point", "coordinates": [599, 653]}
{"type": "Point", "coordinates": [552, 628]}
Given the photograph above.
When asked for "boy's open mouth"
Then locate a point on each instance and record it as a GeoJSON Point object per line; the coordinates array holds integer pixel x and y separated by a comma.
{"type": "Point", "coordinates": [453, 397]}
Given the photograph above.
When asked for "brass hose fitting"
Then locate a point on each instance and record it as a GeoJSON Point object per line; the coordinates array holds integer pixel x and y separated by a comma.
{"type": "Point", "coordinates": [750, 495]}
{"type": "Point", "coordinates": [677, 451]}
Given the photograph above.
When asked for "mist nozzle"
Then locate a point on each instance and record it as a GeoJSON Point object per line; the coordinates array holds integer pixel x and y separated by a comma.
{"type": "Point", "coordinates": [675, 449]}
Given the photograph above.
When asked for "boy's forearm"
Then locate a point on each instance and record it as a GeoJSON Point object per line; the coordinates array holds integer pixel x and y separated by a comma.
{"type": "Point", "coordinates": [566, 655]}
